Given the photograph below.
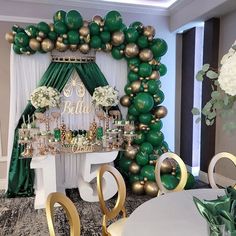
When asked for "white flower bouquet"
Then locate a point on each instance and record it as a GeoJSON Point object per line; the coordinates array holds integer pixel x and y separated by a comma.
{"type": "Point", "coordinates": [45, 97]}
{"type": "Point", "coordinates": [105, 96]}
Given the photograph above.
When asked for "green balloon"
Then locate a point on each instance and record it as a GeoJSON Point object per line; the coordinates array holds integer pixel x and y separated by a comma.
{"type": "Point", "coordinates": [190, 180]}
{"type": "Point", "coordinates": [142, 41]}
{"type": "Point", "coordinates": [52, 35]}
{"type": "Point", "coordinates": [165, 145]}
{"type": "Point", "coordinates": [146, 148]}
{"type": "Point", "coordinates": [142, 158]}
{"type": "Point", "coordinates": [127, 89]}
{"type": "Point", "coordinates": [155, 137]}
{"type": "Point", "coordinates": [131, 35]}
{"type": "Point", "coordinates": [134, 62]}
{"type": "Point", "coordinates": [124, 164]}
{"type": "Point", "coordinates": [143, 102]}
{"type": "Point", "coordinates": [43, 27]}
{"type": "Point", "coordinates": [145, 69]}
{"type": "Point", "coordinates": [158, 151]}
{"type": "Point", "coordinates": [153, 157]}
{"type": "Point", "coordinates": [159, 47]}
{"type": "Point", "coordinates": [17, 49]}
{"type": "Point", "coordinates": [73, 37]}
{"type": "Point", "coordinates": [138, 26]}
{"type": "Point", "coordinates": [21, 39]}
{"type": "Point", "coordinates": [95, 42]}
{"type": "Point", "coordinates": [159, 97]}
{"type": "Point", "coordinates": [132, 76]}
{"type": "Point", "coordinates": [73, 20]}
{"type": "Point", "coordinates": [145, 118]}
{"type": "Point", "coordinates": [169, 181]}
{"type": "Point", "coordinates": [31, 31]}
{"type": "Point", "coordinates": [162, 70]}
{"type": "Point", "coordinates": [59, 16]}
{"type": "Point", "coordinates": [140, 137]}
{"type": "Point", "coordinates": [115, 52]}
{"type": "Point", "coordinates": [157, 126]}
{"type": "Point", "coordinates": [152, 86]}
{"type": "Point", "coordinates": [132, 110]}
{"type": "Point", "coordinates": [105, 36]}
{"type": "Point", "coordinates": [133, 178]}
{"type": "Point", "coordinates": [132, 117]}
{"type": "Point", "coordinates": [148, 172]}
{"type": "Point", "coordinates": [94, 28]}
{"type": "Point", "coordinates": [113, 21]}
{"type": "Point", "coordinates": [123, 27]}
{"type": "Point", "coordinates": [60, 27]}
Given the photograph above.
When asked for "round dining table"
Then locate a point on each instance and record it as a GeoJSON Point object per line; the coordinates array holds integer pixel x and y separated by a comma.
{"type": "Point", "coordinates": [172, 214]}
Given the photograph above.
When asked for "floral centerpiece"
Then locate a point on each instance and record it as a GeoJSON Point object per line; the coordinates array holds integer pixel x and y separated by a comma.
{"type": "Point", "coordinates": [45, 97]}
{"type": "Point", "coordinates": [223, 94]}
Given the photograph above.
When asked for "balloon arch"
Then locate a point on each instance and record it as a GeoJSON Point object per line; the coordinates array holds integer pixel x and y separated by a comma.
{"type": "Point", "coordinates": [143, 53]}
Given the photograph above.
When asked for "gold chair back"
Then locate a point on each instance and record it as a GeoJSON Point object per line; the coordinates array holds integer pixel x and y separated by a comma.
{"type": "Point", "coordinates": [212, 164]}
{"type": "Point", "coordinates": [119, 206]}
{"type": "Point", "coordinates": [69, 208]}
{"type": "Point", "coordinates": [183, 169]}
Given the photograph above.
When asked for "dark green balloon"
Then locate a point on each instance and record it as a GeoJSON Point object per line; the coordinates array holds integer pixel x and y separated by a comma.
{"type": "Point", "coordinates": [140, 137]}
{"type": "Point", "coordinates": [145, 118]}
{"type": "Point", "coordinates": [132, 117]}
{"type": "Point", "coordinates": [94, 28]}
{"type": "Point", "coordinates": [113, 21]}
{"type": "Point", "coordinates": [95, 42]}
{"type": "Point", "coordinates": [141, 158]}
{"type": "Point", "coordinates": [21, 39]}
{"type": "Point", "coordinates": [124, 164]}
{"type": "Point", "coordinates": [169, 181]}
{"type": "Point", "coordinates": [115, 52]}
{"type": "Point", "coordinates": [158, 151]}
{"type": "Point", "coordinates": [157, 126]}
{"type": "Point", "coordinates": [59, 16]}
{"type": "Point", "coordinates": [190, 180]}
{"type": "Point", "coordinates": [123, 27]}
{"type": "Point", "coordinates": [31, 31]}
{"type": "Point", "coordinates": [131, 35]}
{"type": "Point", "coordinates": [159, 47]}
{"type": "Point", "coordinates": [146, 148]}
{"type": "Point", "coordinates": [73, 20]}
{"type": "Point", "coordinates": [138, 26]}
{"type": "Point", "coordinates": [73, 37]}
{"type": "Point", "coordinates": [143, 102]}
{"type": "Point", "coordinates": [127, 89]}
{"type": "Point", "coordinates": [17, 49]}
{"type": "Point", "coordinates": [162, 70]}
{"type": "Point", "coordinates": [159, 97]}
{"type": "Point", "coordinates": [152, 86]}
{"type": "Point", "coordinates": [153, 157]}
{"type": "Point", "coordinates": [105, 36]}
{"type": "Point", "coordinates": [43, 27]}
{"type": "Point", "coordinates": [145, 69]}
{"type": "Point", "coordinates": [134, 62]}
{"type": "Point", "coordinates": [132, 76]}
{"type": "Point", "coordinates": [165, 145]}
{"type": "Point", "coordinates": [52, 35]}
{"type": "Point", "coordinates": [155, 137]}
{"type": "Point", "coordinates": [132, 110]}
{"type": "Point", "coordinates": [142, 41]}
{"type": "Point", "coordinates": [133, 178]}
{"type": "Point", "coordinates": [148, 172]}
{"type": "Point", "coordinates": [60, 27]}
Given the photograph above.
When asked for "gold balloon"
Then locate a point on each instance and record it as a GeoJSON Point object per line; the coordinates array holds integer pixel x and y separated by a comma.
{"type": "Point", "coordinates": [166, 166]}
{"type": "Point", "coordinates": [160, 112]}
{"type": "Point", "coordinates": [149, 31]}
{"type": "Point", "coordinates": [142, 126]}
{"type": "Point", "coordinates": [155, 75]}
{"type": "Point", "coordinates": [135, 86]}
{"type": "Point", "coordinates": [125, 101]}
{"type": "Point", "coordinates": [151, 188]}
{"type": "Point", "coordinates": [68, 136]}
{"type": "Point", "coordinates": [84, 48]}
{"type": "Point", "coordinates": [9, 37]}
{"type": "Point", "coordinates": [60, 39]}
{"type": "Point", "coordinates": [51, 25]}
{"type": "Point", "coordinates": [130, 152]}
{"type": "Point", "coordinates": [87, 38]}
{"type": "Point", "coordinates": [98, 20]}
{"type": "Point", "coordinates": [73, 47]}
{"type": "Point", "coordinates": [134, 168]}
{"type": "Point", "coordinates": [84, 31]}
{"type": "Point", "coordinates": [47, 45]}
{"type": "Point", "coordinates": [131, 50]}
{"type": "Point", "coordinates": [118, 38]}
{"type": "Point", "coordinates": [34, 44]}
{"type": "Point", "coordinates": [41, 34]}
{"type": "Point", "coordinates": [146, 55]}
{"type": "Point", "coordinates": [153, 62]}
{"type": "Point", "coordinates": [108, 47]}
{"type": "Point", "coordinates": [137, 188]}
{"type": "Point", "coordinates": [39, 39]}
{"type": "Point", "coordinates": [61, 47]}
{"type": "Point", "coordinates": [85, 23]}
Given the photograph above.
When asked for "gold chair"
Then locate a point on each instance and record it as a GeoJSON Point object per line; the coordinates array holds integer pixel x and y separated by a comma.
{"type": "Point", "coordinates": [183, 169]}
{"type": "Point", "coordinates": [212, 164]}
{"type": "Point", "coordinates": [69, 208]}
{"type": "Point", "coordinates": [115, 228]}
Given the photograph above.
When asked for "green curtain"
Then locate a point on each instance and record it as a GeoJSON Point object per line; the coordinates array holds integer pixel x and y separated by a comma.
{"type": "Point", "coordinates": [21, 177]}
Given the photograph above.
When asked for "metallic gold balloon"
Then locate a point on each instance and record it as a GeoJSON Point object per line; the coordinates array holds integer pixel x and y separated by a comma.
{"type": "Point", "coordinates": [84, 48]}
{"type": "Point", "coordinates": [41, 34]}
{"type": "Point", "coordinates": [85, 23]}
{"type": "Point", "coordinates": [131, 50]}
{"type": "Point", "coordinates": [108, 47]}
{"type": "Point", "coordinates": [153, 62]}
{"type": "Point", "coordinates": [134, 168]}
{"type": "Point", "coordinates": [61, 47]}
{"type": "Point", "coordinates": [155, 75]}
{"type": "Point", "coordinates": [9, 37]}
{"type": "Point", "coordinates": [130, 152]}
{"type": "Point", "coordinates": [160, 112]}
{"type": "Point", "coordinates": [68, 136]}
{"type": "Point", "coordinates": [98, 20]}
{"type": "Point", "coordinates": [146, 55]}
{"type": "Point", "coordinates": [60, 39]}
{"type": "Point", "coordinates": [84, 31]}
{"type": "Point", "coordinates": [125, 101]}
{"type": "Point", "coordinates": [135, 86]}
{"type": "Point", "coordinates": [142, 126]}
{"type": "Point", "coordinates": [137, 188]}
{"type": "Point", "coordinates": [149, 31]}
{"type": "Point", "coordinates": [47, 45]}
{"type": "Point", "coordinates": [118, 38]}
{"type": "Point", "coordinates": [166, 166]}
{"type": "Point", "coordinates": [151, 188]}
{"type": "Point", "coordinates": [51, 25]}
{"type": "Point", "coordinates": [39, 39]}
{"type": "Point", "coordinates": [34, 44]}
{"type": "Point", "coordinates": [87, 38]}
{"type": "Point", "coordinates": [73, 47]}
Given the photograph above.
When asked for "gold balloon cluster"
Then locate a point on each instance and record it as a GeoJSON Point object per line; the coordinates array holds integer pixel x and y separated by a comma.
{"type": "Point", "coordinates": [148, 187]}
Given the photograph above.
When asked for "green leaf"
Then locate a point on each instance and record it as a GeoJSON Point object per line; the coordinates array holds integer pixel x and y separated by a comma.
{"type": "Point", "coordinates": [206, 67]}
{"type": "Point", "coordinates": [212, 122]}
{"type": "Point", "coordinates": [198, 120]}
{"type": "Point", "coordinates": [199, 76]}
{"type": "Point", "coordinates": [208, 123]}
{"type": "Point", "coordinates": [226, 100]}
{"type": "Point", "coordinates": [212, 115]}
{"type": "Point", "coordinates": [218, 105]}
{"type": "Point", "coordinates": [195, 111]}
{"type": "Point", "coordinates": [211, 74]}
{"type": "Point", "coordinates": [215, 94]}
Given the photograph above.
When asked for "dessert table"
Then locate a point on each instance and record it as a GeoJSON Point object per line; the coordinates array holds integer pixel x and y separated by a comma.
{"type": "Point", "coordinates": [171, 214]}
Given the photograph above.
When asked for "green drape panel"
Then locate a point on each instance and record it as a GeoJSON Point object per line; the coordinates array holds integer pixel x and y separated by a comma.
{"type": "Point", "coordinates": [21, 177]}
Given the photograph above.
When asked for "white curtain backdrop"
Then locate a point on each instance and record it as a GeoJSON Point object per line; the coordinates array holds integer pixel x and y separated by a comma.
{"type": "Point", "coordinates": [26, 71]}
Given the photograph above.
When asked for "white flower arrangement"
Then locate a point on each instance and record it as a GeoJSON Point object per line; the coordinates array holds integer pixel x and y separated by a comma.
{"type": "Point", "coordinates": [45, 97]}
{"type": "Point", "coordinates": [105, 96]}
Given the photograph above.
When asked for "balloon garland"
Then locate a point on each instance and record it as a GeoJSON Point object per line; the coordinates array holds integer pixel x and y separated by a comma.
{"type": "Point", "coordinates": [143, 95]}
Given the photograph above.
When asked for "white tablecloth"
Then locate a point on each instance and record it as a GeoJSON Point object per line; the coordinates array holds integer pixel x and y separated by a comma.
{"type": "Point", "coordinates": [172, 214]}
